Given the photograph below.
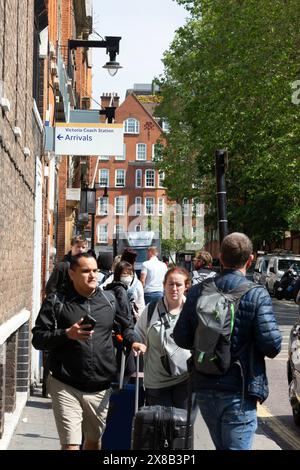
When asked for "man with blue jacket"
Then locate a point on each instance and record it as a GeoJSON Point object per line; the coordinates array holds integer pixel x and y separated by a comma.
{"type": "Point", "coordinates": [228, 402]}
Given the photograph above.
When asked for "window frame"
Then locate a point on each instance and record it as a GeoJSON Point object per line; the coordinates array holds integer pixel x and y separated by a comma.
{"type": "Point", "coordinates": [123, 198]}
{"type": "Point", "coordinates": [136, 126]}
{"type": "Point", "coordinates": [124, 178]}
{"type": "Point", "coordinates": [153, 173]}
{"type": "Point", "coordinates": [137, 152]}
{"type": "Point", "coordinates": [101, 185]}
{"type": "Point", "coordinates": [106, 233]}
{"type": "Point", "coordinates": [153, 200]}
{"type": "Point", "coordinates": [139, 171]}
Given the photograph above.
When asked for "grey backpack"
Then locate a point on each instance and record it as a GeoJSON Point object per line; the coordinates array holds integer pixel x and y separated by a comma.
{"type": "Point", "coordinates": [216, 315]}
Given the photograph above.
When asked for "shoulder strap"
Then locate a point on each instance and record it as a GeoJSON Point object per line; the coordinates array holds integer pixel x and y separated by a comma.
{"type": "Point", "coordinates": [151, 308]}
{"type": "Point", "coordinates": [58, 303]}
{"type": "Point", "coordinates": [238, 292]}
{"type": "Point", "coordinates": [110, 298]}
{"type": "Point", "coordinates": [162, 312]}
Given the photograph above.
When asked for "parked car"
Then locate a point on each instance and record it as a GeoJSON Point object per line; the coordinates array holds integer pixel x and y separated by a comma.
{"type": "Point", "coordinates": [260, 269]}
{"type": "Point", "coordinates": [293, 372]}
{"type": "Point", "coordinates": [276, 268]}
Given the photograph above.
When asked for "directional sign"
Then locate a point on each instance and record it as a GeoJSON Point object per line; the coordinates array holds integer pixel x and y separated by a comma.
{"type": "Point", "coordinates": [88, 139]}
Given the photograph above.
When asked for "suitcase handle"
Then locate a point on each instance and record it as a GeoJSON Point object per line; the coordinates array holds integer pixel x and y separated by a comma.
{"type": "Point", "coordinates": [136, 396]}
{"type": "Point", "coordinates": [122, 372]}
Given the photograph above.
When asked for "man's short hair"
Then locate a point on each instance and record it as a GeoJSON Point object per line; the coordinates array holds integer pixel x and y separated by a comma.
{"type": "Point", "coordinates": [75, 259]}
{"type": "Point", "coordinates": [78, 239]}
{"type": "Point", "coordinates": [205, 257]}
{"type": "Point", "coordinates": [153, 250]}
{"type": "Point", "coordinates": [235, 250]}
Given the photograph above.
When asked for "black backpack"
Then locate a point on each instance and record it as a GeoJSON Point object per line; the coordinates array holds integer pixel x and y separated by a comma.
{"type": "Point", "coordinates": [216, 315]}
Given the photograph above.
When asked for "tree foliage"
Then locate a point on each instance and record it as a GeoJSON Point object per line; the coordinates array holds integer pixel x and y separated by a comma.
{"type": "Point", "coordinates": [227, 84]}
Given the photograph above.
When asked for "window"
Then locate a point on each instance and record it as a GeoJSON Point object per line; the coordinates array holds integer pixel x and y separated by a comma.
{"type": "Point", "coordinates": [120, 205]}
{"type": "Point", "coordinates": [165, 126]}
{"type": "Point", "coordinates": [138, 206]}
{"type": "Point", "coordinates": [104, 178]}
{"type": "Point", "coordinates": [150, 178]}
{"type": "Point", "coordinates": [160, 209]}
{"type": "Point", "coordinates": [103, 206]}
{"type": "Point", "coordinates": [119, 228]}
{"type": "Point", "coordinates": [149, 206]}
{"type": "Point", "coordinates": [122, 157]}
{"type": "Point", "coordinates": [132, 126]}
{"type": "Point", "coordinates": [198, 208]}
{"type": "Point", "coordinates": [185, 206]}
{"type": "Point", "coordinates": [141, 152]}
{"type": "Point", "coordinates": [102, 233]}
{"type": "Point", "coordinates": [161, 179]}
{"type": "Point", "coordinates": [103, 157]}
{"type": "Point", "coordinates": [157, 152]}
{"type": "Point", "coordinates": [138, 178]}
{"type": "Point", "coordinates": [120, 178]}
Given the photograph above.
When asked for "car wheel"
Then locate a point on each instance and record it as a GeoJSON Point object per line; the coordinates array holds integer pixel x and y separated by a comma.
{"type": "Point", "coordinates": [296, 414]}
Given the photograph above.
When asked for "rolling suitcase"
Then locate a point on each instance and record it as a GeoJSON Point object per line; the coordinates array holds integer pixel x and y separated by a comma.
{"type": "Point", "coordinates": [122, 405]}
{"type": "Point", "coordinates": [161, 428]}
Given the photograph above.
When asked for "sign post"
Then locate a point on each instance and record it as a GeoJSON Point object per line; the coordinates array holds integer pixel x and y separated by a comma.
{"type": "Point", "coordinates": [88, 139]}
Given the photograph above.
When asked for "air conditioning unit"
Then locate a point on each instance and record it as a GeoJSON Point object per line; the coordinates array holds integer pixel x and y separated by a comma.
{"type": "Point", "coordinates": [56, 83]}
{"type": "Point", "coordinates": [53, 68]}
{"type": "Point", "coordinates": [52, 53]}
{"type": "Point", "coordinates": [17, 131]}
{"type": "Point", "coordinates": [26, 152]}
{"type": "Point", "coordinates": [5, 104]}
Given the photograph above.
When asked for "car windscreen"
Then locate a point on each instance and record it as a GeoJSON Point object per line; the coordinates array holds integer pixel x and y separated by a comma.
{"type": "Point", "coordinates": [284, 264]}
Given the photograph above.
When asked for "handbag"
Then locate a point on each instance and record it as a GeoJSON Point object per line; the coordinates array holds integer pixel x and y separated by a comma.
{"type": "Point", "coordinates": [173, 358]}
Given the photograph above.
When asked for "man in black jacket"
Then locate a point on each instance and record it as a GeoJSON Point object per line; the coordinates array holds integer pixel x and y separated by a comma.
{"type": "Point", "coordinates": [59, 280]}
{"type": "Point", "coordinates": [82, 362]}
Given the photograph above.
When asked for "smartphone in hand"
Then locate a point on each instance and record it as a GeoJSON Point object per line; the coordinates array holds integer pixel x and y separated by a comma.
{"type": "Point", "coordinates": [88, 320]}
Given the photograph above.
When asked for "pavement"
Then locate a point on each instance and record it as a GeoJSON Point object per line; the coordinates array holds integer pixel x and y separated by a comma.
{"type": "Point", "coordinates": [36, 429]}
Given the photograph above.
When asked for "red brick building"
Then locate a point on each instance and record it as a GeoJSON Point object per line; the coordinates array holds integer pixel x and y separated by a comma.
{"type": "Point", "coordinates": [135, 191]}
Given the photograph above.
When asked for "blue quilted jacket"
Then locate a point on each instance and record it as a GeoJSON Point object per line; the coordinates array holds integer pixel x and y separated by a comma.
{"type": "Point", "coordinates": [255, 325]}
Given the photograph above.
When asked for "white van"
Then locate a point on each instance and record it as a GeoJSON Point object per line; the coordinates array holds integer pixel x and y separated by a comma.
{"type": "Point", "coordinates": [260, 269]}
{"type": "Point", "coordinates": [277, 267]}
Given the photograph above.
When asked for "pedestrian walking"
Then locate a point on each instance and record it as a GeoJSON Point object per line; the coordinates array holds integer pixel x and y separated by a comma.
{"type": "Point", "coordinates": [228, 401]}
{"type": "Point", "coordinates": [82, 360]}
{"type": "Point", "coordinates": [152, 276]}
{"type": "Point", "coordinates": [135, 290]}
{"type": "Point", "coordinates": [165, 368]}
{"type": "Point", "coordinates": [202, 267]}
{"type": "Point", "coordinates": [59, 280]}
{"type": "Point", "coordinates": [104, 263]}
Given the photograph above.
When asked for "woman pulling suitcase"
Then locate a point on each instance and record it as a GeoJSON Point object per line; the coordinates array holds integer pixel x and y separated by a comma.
{"type": "Point", "coordinates": [165, 369]}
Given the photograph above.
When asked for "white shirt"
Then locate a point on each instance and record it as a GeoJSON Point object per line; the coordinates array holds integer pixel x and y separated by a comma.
{"type": "Point", "coordinates": [155, 271]}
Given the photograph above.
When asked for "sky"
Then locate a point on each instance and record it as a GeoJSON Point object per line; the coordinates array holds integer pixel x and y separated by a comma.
{"type": "Point", "coordinates": [147, 28]}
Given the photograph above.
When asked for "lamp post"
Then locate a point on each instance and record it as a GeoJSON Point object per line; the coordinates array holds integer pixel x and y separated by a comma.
{"type": "Point", "coordinates": [221, 162]}
{"type": "Point", "coordinates": [111, 43]}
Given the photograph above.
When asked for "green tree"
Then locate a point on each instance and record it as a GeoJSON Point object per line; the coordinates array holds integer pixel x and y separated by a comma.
{"type": "Point", "coordinates": [227, 84]}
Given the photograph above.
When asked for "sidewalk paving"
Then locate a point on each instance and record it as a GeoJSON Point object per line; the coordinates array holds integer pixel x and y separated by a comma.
{"type": "Point", "coordinates": [36, 429]}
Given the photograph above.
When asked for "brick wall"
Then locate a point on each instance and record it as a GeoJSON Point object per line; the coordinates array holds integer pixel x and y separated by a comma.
{"type": "Point", "coordinates": [11, 373]}
{"type": "Point", "coordinates": [23, 362]}
{"type": "Point", "coordinates": [17, 182]}
{"type": "Point", "coordinates": [2, 385]}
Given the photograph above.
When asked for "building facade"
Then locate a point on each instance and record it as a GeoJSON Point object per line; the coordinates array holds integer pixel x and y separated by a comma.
{"type": "Point", "coordinates": [130, 189]}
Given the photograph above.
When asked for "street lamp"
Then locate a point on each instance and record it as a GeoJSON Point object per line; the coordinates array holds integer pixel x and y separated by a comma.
{"type": "Point", "coordinates": [111, 43]}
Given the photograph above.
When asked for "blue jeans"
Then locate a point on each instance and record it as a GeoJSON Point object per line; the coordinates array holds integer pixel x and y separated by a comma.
{"type": "Point", "coordinates": [231, 420]}
{"type": "Point", "coordinates": [151, 296]}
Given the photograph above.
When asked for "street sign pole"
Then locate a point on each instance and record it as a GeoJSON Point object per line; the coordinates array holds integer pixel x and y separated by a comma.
{"type": "Point", "coordinates": [221, 158]}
